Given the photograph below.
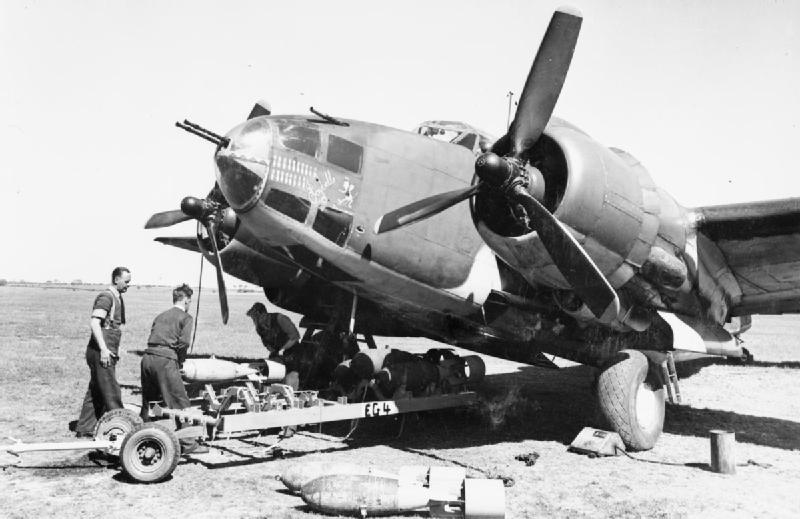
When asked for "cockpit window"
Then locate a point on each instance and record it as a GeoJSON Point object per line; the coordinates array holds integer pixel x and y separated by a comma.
{"type": "Point", "coordinates": [467, 140]}
{"type": "Point", "coordinates": [299, 138]}
{"type": "Point", "coordinates": [456, 132]}
{"type": "Point", "coordinates": [253, 139]}
{"type": "Point", "coordinates": [344, 154]}
{"type": "Point", "coordinates": [440, 134]}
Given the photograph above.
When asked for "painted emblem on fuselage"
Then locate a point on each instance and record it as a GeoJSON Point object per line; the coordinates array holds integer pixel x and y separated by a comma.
{"type": "Point", "coordinates": [347, 191]}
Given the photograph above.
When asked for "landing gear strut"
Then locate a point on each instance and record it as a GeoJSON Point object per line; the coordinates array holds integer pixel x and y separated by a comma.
{"type": "Point", "coordinates": [632, 399]}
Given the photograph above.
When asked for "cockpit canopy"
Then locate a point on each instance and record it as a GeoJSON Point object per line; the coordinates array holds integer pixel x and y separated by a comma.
{"type": "Point", "coordinates": [456, 132]}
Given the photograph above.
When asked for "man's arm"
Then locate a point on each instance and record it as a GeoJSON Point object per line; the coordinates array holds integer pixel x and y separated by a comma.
{"type": "Point", "coordinates": [98, 314]}
{"type": "Point", "coordinates": [288, 327]}
{"type": "Point", "coordinates": [185, 339]}
{"type": "Point", "coordinates": [103, 304]}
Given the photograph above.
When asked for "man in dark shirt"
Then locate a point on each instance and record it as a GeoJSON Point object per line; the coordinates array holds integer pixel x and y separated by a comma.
{"type": "Point", "coordinates": [170, 337]}
{"type": "Point", "coordinates": [277, 332]}
{"type": "Point", "coordinates": [102, 354]}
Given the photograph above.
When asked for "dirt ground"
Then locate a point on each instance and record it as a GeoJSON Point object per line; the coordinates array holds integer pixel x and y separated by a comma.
{"type": "Point", "coordinates": [525, 410]}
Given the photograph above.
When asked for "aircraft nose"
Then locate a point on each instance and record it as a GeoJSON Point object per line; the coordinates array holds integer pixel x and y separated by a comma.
{"type": "Point", "coordinates": [242, 166]}
{"type": "Point", "coordinates": [239, 180]}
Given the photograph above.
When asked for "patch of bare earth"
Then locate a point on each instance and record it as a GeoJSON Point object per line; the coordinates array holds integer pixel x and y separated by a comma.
{"type": "Point", "coordinates": [525, 410]}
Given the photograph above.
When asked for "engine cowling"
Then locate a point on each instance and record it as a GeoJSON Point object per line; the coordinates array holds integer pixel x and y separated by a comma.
{"type": "Point", "coordinates": [243, 255]}
{"type": "Point", "coordinates": [634, 231]}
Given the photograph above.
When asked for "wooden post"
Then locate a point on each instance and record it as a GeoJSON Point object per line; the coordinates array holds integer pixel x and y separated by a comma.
{"type": "Point", "coordinates": [723, 459]}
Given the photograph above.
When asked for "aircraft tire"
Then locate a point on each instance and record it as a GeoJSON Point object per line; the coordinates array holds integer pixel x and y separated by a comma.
{"type": "Point", "coordinates": [115, 423]}
{"type": "Point", "coordinates": [631, 401]}
{"type": "Point", "coordinates": [150, 453]}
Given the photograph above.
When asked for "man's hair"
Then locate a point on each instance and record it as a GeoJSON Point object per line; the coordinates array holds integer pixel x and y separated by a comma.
{"type": "Point", "coordinates": [182, 292]}
{"type": "Point", "coordinates": [257, 309]}
{"type": "Point", "coordinates": [117, 272]}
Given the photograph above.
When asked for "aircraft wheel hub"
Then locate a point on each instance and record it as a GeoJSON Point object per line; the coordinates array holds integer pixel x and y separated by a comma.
{"type": "Point", "coordinates": [647, 407]}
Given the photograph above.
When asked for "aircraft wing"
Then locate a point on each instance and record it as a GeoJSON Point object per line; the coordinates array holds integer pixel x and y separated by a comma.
{"type": "Point", "coordinates": [189, 242]}
{"type": "Point", "coordinates": [761, 243]}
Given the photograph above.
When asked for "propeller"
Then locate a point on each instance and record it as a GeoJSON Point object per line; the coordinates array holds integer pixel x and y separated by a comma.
{"type": "Point", "coordinates": [210, 213]}
{"type": "Point", "coordinates": [536, 104]}
{"type": "Point", "coordinates": [422, 209]}
{"type": "Point", "coordinates": [545, 79]}
{"type": "Point", "coordinates": [211, 226]}
{"type": "Point", "coordinates": [166, 219]}
{"type": "Point", "coordinates": [503, 170]}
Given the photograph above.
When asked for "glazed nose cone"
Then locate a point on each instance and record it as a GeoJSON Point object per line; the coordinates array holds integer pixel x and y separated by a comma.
{"type": "Point", "coordinates": [242, 166]}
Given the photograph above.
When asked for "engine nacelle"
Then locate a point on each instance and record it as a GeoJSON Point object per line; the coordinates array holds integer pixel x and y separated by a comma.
{"type": "Point", "coordinates": [626, 224]}
{"type": "Point", "coordinates": [244, 257]}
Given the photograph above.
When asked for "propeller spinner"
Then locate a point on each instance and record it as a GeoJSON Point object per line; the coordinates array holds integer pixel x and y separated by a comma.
{"type": "Point", "coordinates": [210, 213]}
{"type": "Point", "coordinates": [502, 170]}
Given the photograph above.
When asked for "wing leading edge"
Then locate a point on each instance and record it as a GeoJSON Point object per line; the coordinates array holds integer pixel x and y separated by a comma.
{"type": "Point", "coordinates": [761, 244]}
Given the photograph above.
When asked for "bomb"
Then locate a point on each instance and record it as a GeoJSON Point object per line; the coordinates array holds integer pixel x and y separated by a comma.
{"type": "Point", "coordinates": [374, 494]}
{"type": "Point", "coordinates": [216, 370]}
{"type": "Point", "coordinates": [345, 377]}
{"type": "Point", "coordinates": [444, 482]}
{"type": "Point", "coordinates": [359, 494]}
{"type": "Point", "coordinates": [415, 375]}
{"type": "Point", "coordinates": [271, 370]}
{"type": "Point", "coordinates": [298, 474]}
{"type": "Point", "coordinates": [366, 363]}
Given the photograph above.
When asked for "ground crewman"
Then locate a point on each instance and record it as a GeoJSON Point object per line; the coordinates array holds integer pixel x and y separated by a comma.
{"type": "Point", "coordinates": [278, 333]}
{"type": "Point", "coordinates": [170, 337]}
{"type": "Point", "coordinates": [102, 354]}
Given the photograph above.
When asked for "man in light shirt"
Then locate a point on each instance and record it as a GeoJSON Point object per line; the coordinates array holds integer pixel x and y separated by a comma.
{"type": "Point", "coordinates": [102, 353]}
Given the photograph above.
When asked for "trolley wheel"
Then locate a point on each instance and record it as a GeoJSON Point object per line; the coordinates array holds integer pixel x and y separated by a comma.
{"type": "Point", "coordinates": [114, 425]}
{"type": "Point", "coordinates": [150, 453]}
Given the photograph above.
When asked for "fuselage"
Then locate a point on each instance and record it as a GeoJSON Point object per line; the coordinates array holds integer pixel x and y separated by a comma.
{"type": "Point", "coordinates": [315, 189]}
{"type": "Point", "coordinates": [312, 190]}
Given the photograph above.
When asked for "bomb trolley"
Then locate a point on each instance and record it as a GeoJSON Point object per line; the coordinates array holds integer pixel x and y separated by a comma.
{"type": "Point", "coordinates": [149, 451]}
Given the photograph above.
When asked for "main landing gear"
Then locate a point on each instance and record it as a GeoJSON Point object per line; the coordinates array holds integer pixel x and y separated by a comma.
{"type": "Point", "coordinates": [632, 399]}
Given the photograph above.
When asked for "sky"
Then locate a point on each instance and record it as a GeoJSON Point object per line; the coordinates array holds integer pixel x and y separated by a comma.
{"type": "Point", "coordinates": [705, 94]}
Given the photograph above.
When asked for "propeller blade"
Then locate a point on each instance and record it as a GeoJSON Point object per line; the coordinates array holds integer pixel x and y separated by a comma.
{"type": "Point", "coordinates": [545, 80]}
{"type": "Point", "coordinates": [422, 209]}
{"type": "Point", "coordinates": [211, 229]}
{"type": "Point", "coordinates": [572, 261]}
{"type": "Point", "coordinates": [166, 218]}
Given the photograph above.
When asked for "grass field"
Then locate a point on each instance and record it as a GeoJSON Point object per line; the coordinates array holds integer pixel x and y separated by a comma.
{"type": "Point", "coordinates": [43, 376]}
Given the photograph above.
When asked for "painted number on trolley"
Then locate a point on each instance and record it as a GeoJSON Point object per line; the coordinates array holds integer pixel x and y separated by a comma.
{"type": "Point", "coordinates": [379, 408]}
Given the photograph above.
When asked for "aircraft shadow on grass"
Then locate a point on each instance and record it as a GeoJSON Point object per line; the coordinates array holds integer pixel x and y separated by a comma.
{"type": "Point", "coordinates": [785, 364]}
{"type": "Point", "coordinates": [758, 430]}
{"type": "Point", "coordinates": [555, 406]}
{"type": "Point", "coordinates": [692, 367]}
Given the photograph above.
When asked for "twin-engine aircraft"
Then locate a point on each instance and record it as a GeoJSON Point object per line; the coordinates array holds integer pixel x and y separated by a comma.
{"type": "Point", "coordinates": [540, 241]}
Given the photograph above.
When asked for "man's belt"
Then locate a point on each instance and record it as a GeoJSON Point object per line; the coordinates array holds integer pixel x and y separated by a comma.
{"type": "Point", "coordinates": [160, 350]}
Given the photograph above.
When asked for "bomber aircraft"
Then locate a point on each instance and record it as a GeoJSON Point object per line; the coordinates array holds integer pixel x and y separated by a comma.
{"type": "Point", "coordinates": [562, 245]}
